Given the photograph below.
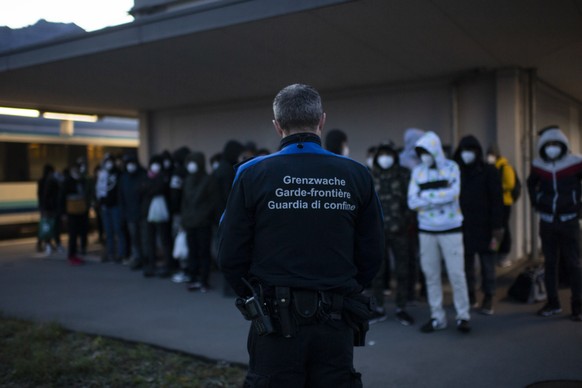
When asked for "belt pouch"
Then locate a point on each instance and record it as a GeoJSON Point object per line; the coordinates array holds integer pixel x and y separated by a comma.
{"type": "Point", "coordinates": [283, 297]}
{"type": "Point", "coordinates": [306, 303]}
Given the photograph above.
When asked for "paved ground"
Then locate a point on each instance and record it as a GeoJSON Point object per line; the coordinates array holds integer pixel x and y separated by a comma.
{"type": "Point", "coordinates": [513, 348]}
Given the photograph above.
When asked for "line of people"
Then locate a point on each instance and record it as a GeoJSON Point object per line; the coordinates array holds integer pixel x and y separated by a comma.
{"type": "Point", "coordinates": [424, 196]}
{"type": "Point", "coordinates": [457, 210]}
{"type": "Point", "coordinates": [435, 208]}
{"type": "Point", "coordinates": [140, 211]}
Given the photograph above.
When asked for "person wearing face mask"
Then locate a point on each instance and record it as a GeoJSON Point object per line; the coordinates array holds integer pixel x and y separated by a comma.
{"type": "Point", "coordinates": [482, 207]}
{"type": "Point", "coordinates": [154, 193]}
{"type": "Point", "coordinates": [48, 201]}
{"type": "Point", "coordinates": [409, 159]}
{"type": "Point", "coordinates": [508, 182]}
{"type": "Point", "coordinates": [391, 182]}
{"type": "Point", "coordinates": [74, 199]}
{"type": "Point", "coordinates": [433, 193]}
{"type": "Point", "coordinates": [198, 203]}
{"type": "Point", "coordinates": [130, 183]}
{"type": "Point", "coordinates": [554, 188]}
{"type": "Point", "coordinates": [177, 177]}
{"type": "Point", "coordinates": [336, 141]}
{"type": "Point", "coordinates": [223, 175]}
{"type": "Point", "coordinates": [108, 198]}
{"type": "Point", "coordinates": [370, 155]}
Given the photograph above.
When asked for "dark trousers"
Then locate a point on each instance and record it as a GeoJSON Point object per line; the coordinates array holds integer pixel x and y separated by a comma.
{"type": "Point", "coordinates": [135, 232]}
{"type": "Point", "coordinates": [398, 245]}
{"type": "Point", "coordinates": [77, 225]}
{"type": "Point", "coordinates": [505, 246]}
{"type": "Point", "coordinates": [152, 232]}
{"type": "Point", "coordinates": [415, 275]}
{"type": "Point", "coordinates": [319, 355]}
{"type": "Point", "coordinates": [487, 261]}
{"type": "Point", "coordinates": [560, 240]}
{"type": "Point", "coordinates": [199, 240]}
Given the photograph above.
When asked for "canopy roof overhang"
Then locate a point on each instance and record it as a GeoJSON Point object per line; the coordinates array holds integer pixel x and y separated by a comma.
{"type": "Point", "coordinates": [249, 49]}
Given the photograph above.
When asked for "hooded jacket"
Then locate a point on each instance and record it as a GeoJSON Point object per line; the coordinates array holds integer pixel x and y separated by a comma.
{"type": "Point", "coordinates": [408, 156]}
{"type": "Point", "coordinates": [335, 140]}
{"type": "Point", "coordinates": [130, 185]}
{"type": "Point", "coordinates": [199, 195]}
{"type": "Point", "coordinates": [154, 185]}
{"type": "Point", "coordinates": [224, 174]}
{"type": "Point", "coordinates": [507, 174]}
{"type": "Point", "coordinates": [554, 185]}
{"type": "Point", "coordinates": [392, 187]}
{"type": "Point", "coordinates": [177, 178]}
{"type": "Point", "coordinates": [434, 192]}
{"type": "Point", "coordinates": [481, 198]}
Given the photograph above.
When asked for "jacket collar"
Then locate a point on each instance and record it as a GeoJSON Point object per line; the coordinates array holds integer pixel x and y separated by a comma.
{"type": "Point", "coordinates": [298, 138]}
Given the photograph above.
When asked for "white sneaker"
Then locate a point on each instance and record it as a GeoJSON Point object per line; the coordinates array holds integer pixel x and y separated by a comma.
{"type": "Point", "coordinates": [48, 250]}
{"type": "Point", "coordinates": [180, 277]}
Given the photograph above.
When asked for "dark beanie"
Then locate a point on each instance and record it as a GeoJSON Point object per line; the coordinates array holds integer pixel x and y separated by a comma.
{"type": "Point", "coordinates": [334, 140]}
{"type": "Point", "coordinates": [156, 159]}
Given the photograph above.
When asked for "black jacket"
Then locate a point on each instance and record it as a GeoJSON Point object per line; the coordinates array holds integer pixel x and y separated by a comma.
{"type": "Point", "coordinates": [199, 195]}
{"type": "Point", "coordinates": [48, 195]}
{"type": "Point", "coordinates": [130, 186]}
{"type": "Point", "coordinates": [481, 198]}
{"type": "Point", "coordinates": [224, 174]}
{"type": "Point", "coordinates": [554, 185]}
{"type": "Point", "coordinates": [392, 188]}
{"type": "Point", "coordinates": [152, 186]}
{"type": "Point", "coordinates": [304, 218]}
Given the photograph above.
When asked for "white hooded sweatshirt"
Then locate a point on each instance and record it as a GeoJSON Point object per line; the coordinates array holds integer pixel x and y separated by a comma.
{"type": "Point", "coordinates": [437, 205]}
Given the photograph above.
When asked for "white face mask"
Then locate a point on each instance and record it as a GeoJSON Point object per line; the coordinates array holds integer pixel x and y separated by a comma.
{"type": "Point", "coordinates": [192, 168]}
{"type": "Point", "coordinates": [131, 167]}
{"type": "Point", "coordinates": [468, 156]}
{"type": "Point", "coordinates": [108, 165]}
{"type": "Point", "coordinates": [385, 161]}
{"type": "Point", "coordinates": [427, 160]}
{"type": "Point", "coordinates": [346, 151]}
{"type": "Point", "coordinates": [215, 165]}
{"type": "Point", "coordinates": [370, 162]}
{"type": "Point", "coordinates": [167, 163]}
{"type": "Point", "coordinates": [553, 151]}
{"type": "Point", "coordinates": [491, 159]}
{"type": "Point", "coordinates": [155, 168]}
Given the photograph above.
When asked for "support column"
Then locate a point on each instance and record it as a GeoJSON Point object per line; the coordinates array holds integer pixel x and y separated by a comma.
{"type": "Point", "coordinates": [512, 141]}
{"type": "Point", "coordinates": [145, 139]}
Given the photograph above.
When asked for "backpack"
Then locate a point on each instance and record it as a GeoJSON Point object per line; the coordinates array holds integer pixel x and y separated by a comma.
{"type": "Point", "coordinates": [529, 286]}
{"type": "Point", "coordinates": [516, 191]}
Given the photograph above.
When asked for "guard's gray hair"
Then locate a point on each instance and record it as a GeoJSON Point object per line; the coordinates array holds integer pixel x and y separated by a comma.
{"type": "Point", "coordinates": [298, 106]}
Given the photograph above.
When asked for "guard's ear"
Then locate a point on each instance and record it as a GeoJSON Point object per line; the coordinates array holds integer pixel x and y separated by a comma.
{"type": "Point", "coordinates": [278, 128]}
{"type": "Point", "coordinates": [321, 123]}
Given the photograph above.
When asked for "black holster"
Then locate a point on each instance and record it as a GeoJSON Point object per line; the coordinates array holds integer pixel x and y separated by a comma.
{"type": "Point", "coordinates": [358, 310]}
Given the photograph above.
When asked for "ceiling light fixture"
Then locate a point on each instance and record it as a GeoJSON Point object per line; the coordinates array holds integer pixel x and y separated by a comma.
{"type": "Point", "coordinates": [71, 117]}
{"type": "Point", "coordinates": [19, 112]}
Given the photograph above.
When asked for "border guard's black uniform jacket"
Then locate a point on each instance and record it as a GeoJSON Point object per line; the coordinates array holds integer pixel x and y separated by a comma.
{"type": "Point", "coordinates": [302, 218]}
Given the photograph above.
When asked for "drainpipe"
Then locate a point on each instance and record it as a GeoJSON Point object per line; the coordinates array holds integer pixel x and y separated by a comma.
{"type": "Point", "coordinates": [454, 114]}
{"type": "Point", "coordinates": [532, 134]}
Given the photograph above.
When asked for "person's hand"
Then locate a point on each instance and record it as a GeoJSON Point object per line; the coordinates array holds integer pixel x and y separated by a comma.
{"type": "Point", "coordinates": [497, 236]}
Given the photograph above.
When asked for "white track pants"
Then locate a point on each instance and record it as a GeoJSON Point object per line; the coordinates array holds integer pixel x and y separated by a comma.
{"type": "Point", "coordinates": [450, 245]}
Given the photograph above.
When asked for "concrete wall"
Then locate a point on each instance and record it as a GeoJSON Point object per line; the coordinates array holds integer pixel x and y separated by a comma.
{"type": "Point", "coordinates": [493, 106]}
{"type": "Point", "coordinates": [368, 118]}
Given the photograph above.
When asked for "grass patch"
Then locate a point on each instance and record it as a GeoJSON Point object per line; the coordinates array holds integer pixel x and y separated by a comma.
{"type": "Point", "coordinates": [47, 355]}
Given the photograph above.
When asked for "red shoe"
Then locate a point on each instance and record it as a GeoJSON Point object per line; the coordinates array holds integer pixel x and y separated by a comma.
{"type": "Point", "coordinates": [74, 260]}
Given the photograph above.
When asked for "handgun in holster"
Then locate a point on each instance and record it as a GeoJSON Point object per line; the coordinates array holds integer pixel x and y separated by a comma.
{"type": "Point", "coordinates": [253, 309]}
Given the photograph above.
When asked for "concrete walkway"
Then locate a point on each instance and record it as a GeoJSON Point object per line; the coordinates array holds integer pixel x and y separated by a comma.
{"type": "Point", "coordinates": [513, 348]}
